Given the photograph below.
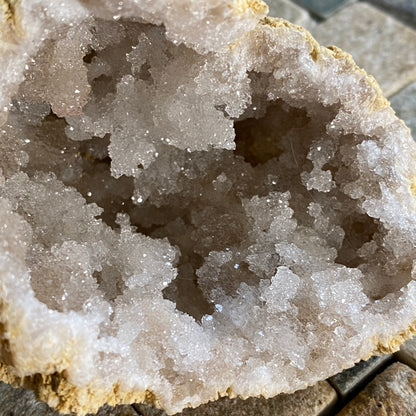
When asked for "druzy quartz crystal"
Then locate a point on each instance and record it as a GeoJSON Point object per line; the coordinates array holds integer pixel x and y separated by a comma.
{"type": "Point", "coordinates": [195, 200]}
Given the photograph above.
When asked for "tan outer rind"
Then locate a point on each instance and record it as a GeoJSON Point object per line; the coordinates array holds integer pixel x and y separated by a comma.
{"type": "Point", "coordinates": [257, 6]}
{"type": "Point", "coordinates": [65, 397]}
{"type": "Point", "coordinates": [59, 393]}
{"type": "Point", "coordinates": [12, 28]}
{"type": "Point", "coordinates": [393, 344]}
{"type": "Point", "coordinates": [9, 10]}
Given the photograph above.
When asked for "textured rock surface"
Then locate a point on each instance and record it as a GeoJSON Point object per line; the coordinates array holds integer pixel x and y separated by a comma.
{"type": "Point", "coordinates": [22, 402]}
{"type": "Point", "coordinates": [404, 103]}
{"type": "Point", "coordinates": [290, 11]}
{"type": "Point", "coordinates": [351, 380]}
{"type": "Point", "coordinates": [309, 402]}
{"type": "Point", "coordinates": [381, 45]}
{"type": "Point", "coordinates": [407, 353]}
{"type": "Point", "coordinates": [404, 9]}
{"type": "Point", "coordinates": [216, 206]}
{"type": "Point", "coordinates": [323, 8]}
{"type": "Point", "coordinates": [392, 393]}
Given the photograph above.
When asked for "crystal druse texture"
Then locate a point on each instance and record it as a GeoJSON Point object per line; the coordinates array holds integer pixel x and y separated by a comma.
{"type": "Point", "coordinates": [195, 200]}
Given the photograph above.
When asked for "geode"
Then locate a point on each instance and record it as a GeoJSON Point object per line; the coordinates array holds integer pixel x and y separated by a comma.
{"type": "Point", "coordinates": [195, 200]}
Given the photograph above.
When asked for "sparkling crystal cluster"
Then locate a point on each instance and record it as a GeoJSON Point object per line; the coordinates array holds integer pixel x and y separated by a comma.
{"type": "Point", "coordinates": [195, 201]}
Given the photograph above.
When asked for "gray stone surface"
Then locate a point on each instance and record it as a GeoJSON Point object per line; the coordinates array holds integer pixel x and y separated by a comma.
{"type": "Point", "coordinates": [323, 8]}
{"type": "Point", "coordinates": [403, 9]}
{"type": "Point", "coordinates": [353, 379]}
{"type": "Point", "coordinates": [125, 410]}
{"type": "Point", "coordinates": [309, 402]}
{"type": "Point", "coordinates": [21, 402]}
{"type": "Point", "coordinates": [407, 353]}
{"type": "Point", "coordinates": [392, 393]}
{"type": "Point", "coordinates": [383, 46]}
{"type": "Point", "coordinates": [289, 11]}
{"type": "Point", "coordinates": [404, 103]}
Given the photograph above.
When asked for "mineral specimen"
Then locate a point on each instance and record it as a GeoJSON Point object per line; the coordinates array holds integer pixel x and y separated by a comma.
{"type": "Point", "coordinates": [195, 201]}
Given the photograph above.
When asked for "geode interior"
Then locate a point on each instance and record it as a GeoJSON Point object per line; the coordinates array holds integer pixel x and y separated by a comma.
{"type": "Point", "coordinates": [180, 221]}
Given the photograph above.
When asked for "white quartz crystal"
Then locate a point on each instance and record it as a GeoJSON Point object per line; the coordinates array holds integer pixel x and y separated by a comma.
{"type": "Point", "coordinates": [194, 201]}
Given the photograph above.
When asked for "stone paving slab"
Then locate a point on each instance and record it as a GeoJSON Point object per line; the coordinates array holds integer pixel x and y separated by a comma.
{"type": "Point", "coordinates": [392, 393]}
{"type": "Point", "coordinates": [407, 353]}
{"type": "Point", "coordinates": [403, 9]}
{"type": "Point", "coordinates": [290, 11]}
{"type": "Point", "coordinates": [322, 8]}
{"type": "Point", "coordinates": [350, 381]}
{"type": "Point", "coordinates": [404, 103]}
{"type": "Point", "coordinates": [313, 401]}
{"type": "Point", "coordinates": [383, 46]}
{"type": "Point", "coordinates": [20, 402]}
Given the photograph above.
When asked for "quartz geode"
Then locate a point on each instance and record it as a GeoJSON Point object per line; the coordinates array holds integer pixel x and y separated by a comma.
{"type": "Point", "coordinates": [195, 201]}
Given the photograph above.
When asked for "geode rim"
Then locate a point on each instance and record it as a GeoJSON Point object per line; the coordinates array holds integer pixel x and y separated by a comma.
{"type": "Point", "coordinates": [53, 386]}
